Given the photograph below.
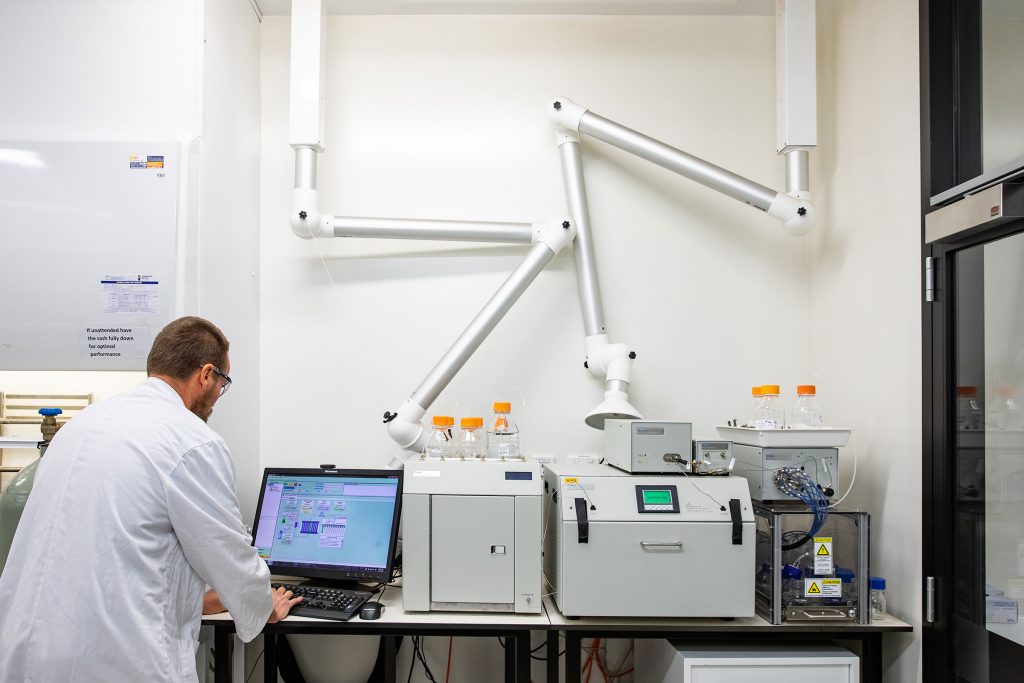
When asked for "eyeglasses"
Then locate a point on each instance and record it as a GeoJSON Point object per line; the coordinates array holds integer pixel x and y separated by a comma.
{"type": "Point", "coordinates": [227, 380]}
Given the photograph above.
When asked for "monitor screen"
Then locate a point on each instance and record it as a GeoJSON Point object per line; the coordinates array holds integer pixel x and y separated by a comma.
{"type": "Point", "coordinates": [328, 523]}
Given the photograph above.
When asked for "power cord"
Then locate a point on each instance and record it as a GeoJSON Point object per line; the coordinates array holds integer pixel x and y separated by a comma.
{"type": "Point", "coordinates": [254, 665]}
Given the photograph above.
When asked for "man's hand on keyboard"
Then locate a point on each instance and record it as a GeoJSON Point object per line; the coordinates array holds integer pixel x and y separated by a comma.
{"type": "Point", "coordinates": [283, 602]}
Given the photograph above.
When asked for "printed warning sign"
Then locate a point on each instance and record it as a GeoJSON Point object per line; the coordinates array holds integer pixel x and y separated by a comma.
{"type": "Point", "coordinates": [823, 588]}
{"type": "Point", "coordinates": [823, 555]}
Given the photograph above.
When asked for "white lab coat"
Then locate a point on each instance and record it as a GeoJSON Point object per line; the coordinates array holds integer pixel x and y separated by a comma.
{"type": "Point", "coordinates": [132, 513]}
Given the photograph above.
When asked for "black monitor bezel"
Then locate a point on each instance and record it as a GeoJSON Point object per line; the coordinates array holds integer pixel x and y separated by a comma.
{"type": "Point", "coordinates": [381, 575]}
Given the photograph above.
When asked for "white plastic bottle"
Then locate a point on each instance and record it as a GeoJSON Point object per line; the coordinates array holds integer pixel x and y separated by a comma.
{"type": "Point", "coordinates": [439, 441]}
{"type": "Point", "coordinates": [877, 597]}
{"type": "Point", "coordinates": [503, 435]}
{"type": "Point", "coordinates": [969, 416]}
{"type": "Point", "coordinates": [806, 410]}
{"type": "Point", "coordinates": [769, 414]}
{"type": "Point", "coordinates": [470, 445]}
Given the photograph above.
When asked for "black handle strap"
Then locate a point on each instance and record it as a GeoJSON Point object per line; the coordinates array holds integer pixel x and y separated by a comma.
{"type": "Point", "coordinates": [582, 523]}
{"type": "Point", "coordinates": [737, 521]}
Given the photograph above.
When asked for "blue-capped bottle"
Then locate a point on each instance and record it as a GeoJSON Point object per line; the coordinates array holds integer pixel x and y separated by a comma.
{"type": "Point", "coordinates": [877, 597]}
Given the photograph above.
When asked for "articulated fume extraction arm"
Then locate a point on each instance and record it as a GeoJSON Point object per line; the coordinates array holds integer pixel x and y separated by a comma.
{"type": "Point", "coordinates": [793, 210]}
{"type": "Point", "coordinates": [611, 362]}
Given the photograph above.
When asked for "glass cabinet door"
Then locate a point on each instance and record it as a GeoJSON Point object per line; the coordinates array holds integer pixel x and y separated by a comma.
{"type": "Point", "coordinates": [987, 442]}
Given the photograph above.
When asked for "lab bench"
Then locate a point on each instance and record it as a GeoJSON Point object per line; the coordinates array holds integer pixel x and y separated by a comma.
{"type": "Point", "coordinates": [517, 628]}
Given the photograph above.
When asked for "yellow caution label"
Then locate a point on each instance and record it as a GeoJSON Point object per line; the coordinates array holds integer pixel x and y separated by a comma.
{"type": "Point", "coordinates": [570, 480]}
{"type": "Point", "coordinates": [823, 556]}
{"type": "Point", "coordinates": [823, 588]}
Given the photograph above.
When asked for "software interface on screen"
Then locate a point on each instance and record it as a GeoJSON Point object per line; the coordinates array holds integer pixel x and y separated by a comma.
{"type": "Point", "coordinates": [326, 521]}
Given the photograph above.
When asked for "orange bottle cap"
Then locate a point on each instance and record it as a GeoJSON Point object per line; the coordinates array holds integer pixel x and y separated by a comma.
{"type": "Point", "coordinates": [967, 391]}
{"type": "Point", "coordinates": [806, 390]}
{"type": "Point", "coordinates": [769, 389]}
{"type": "Point", "coordinates": [502, 407]}
{"type": "Point", "coordinates": [443, 421]}
{"type": "Point", "coordinates": [755, 391]}
{"type": "Point", "coordinates": [472, 422]}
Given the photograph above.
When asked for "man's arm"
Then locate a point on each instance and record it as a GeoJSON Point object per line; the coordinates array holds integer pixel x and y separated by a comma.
{"type": "Point", "coordinates": [203, 510]}
{"type": "Point", "coordinates": [212, 604]}
{"type": "Point", "coordinates": [283, 602]}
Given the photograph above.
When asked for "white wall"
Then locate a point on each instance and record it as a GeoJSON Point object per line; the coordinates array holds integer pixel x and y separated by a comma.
{"type": "Point", "coordinates": [104, 70]}
{"type": "Point", "coordinates": [444, 117]}
{"type": "Point", "coordinates": [228, 269]}
{"type": "Point", "coordinates": [120, 70]}
{"type": "Point", "coordinates": [865, 286]}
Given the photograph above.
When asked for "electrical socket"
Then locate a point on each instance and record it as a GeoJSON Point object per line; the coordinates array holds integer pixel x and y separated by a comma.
{"type": "Point", "coordinates": [544, 459]}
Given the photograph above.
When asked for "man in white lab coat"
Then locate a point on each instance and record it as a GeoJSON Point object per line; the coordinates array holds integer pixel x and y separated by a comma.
{"type": "Point", "coordinates": [132, 514]}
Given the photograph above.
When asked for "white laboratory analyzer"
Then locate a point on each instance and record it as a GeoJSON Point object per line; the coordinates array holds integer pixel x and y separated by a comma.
{"type": "Point", "coordinates": [647, 446]}
{"type": "Point", "coordinates": [472, 536]}
{"type": "Point", "coordinates": [620, 545]}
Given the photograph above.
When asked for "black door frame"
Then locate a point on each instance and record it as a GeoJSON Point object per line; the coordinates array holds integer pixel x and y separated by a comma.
{"type": "Point", "coordinates": [951, 148]}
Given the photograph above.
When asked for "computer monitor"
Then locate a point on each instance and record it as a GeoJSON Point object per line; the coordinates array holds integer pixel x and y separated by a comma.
{"type": "Point", "coordinates": [339, 525]}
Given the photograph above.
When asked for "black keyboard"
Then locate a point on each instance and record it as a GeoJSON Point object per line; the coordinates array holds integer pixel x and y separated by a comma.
{"type": "Point", "coordinates": [323, 602]}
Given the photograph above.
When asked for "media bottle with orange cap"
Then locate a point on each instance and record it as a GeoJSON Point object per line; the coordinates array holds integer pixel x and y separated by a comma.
{"type": "Point", "coordinates": [502, 435]}
{"type": "Point", "coordinates": [439, 441]}
{"type": "Point", "coordinates": [806, 411]}
{"type": "Point", "coordinates": [470, 444]}
{"type": "Point", "coordinates": [755, 400]}
{"type": "Point", "coordinates": [969, 416]}
{"type": "Point", "coordinates": [769, 414]}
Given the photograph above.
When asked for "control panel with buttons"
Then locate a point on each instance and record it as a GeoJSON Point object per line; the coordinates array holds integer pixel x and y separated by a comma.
{"type": "Point", "coordinates": [659, 498]}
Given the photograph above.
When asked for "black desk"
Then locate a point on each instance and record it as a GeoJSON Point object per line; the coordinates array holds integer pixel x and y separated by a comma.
{"type": "Point", "coordinates": [735, 630]}
{"type": "Point", "coordinates": [395, 621]}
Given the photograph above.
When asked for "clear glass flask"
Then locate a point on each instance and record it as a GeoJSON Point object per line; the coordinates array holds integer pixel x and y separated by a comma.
{"type": "Point", "coordinates": [503, 435]}
{"type": "Point", "coordinates": [769, 414]}
{"type": "Point", "coordinates": [806, 411]}
{"type": "Point", "coordinates": [439, 441]}
{"type": "Point", "coordinates": [471, 442]}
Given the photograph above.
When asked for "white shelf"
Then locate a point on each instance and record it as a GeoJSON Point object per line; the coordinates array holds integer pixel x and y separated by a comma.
{"type": "Point", "coordinates": [822, 437]}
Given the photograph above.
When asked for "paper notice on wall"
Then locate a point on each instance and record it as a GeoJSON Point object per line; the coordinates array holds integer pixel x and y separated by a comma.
{"type": "Point", "coordinates": [110, 341]}
{"type": "Point", "coordinates": [131, 294]}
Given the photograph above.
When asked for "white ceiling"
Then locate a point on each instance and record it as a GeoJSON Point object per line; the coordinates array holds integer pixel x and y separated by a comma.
{"type": "Point", "coordinates": [637, 7]}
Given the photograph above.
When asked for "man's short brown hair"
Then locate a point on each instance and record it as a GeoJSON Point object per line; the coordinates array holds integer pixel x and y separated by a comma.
{"type": "Point", "coordinates": [184, 346]}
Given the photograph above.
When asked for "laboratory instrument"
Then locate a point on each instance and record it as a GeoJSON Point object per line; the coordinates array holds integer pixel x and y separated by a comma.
{"type": "Point", "coordinates": [712, 457]}
{"type": "Point", "coordinates": [812, 572]}
{"type": "Point", "coordinates": [648, 445]}
{"type": "Point", "coordinates": [15, 496]}
{"type": "Point", "coordinates": [333, 526]}
{"type": "Point", "coordinates": [761, 467]}
{"type": "Point", "coordinates": [620, 545]}
{"type": "Point", "coordinates": [472, 536]}
{"type": "Point", "coordinates": [680, 661]}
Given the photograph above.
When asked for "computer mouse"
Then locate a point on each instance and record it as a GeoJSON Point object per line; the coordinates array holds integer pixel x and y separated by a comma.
{"type": "Point", "coordinates": [370, 611]}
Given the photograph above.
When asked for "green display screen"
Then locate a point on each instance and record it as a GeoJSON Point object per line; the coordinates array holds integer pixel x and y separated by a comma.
{"type": "Point", "coordinates": [657, 497]}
